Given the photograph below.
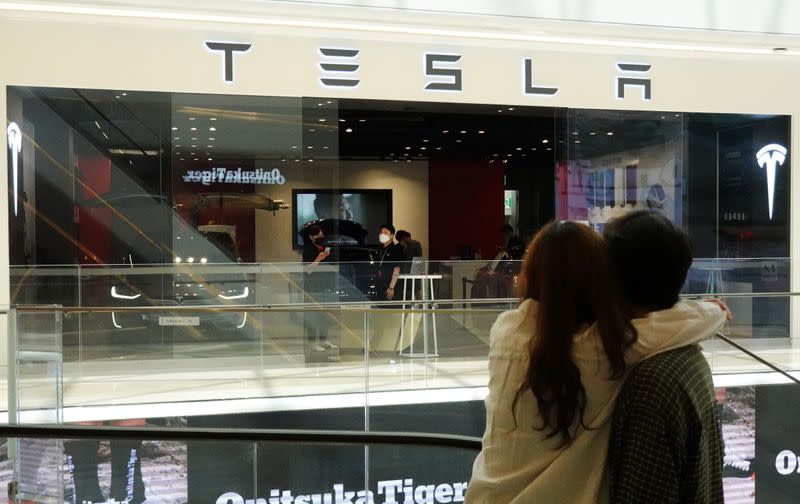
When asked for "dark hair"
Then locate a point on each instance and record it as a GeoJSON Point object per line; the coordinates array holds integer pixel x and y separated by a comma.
{"type": "Point", "coordinates": [566, 271]}
{"type": "Point", "coordinates": [389, 227]}
{"type": "Point", "coordinates": [651, 257]}
{"type": "Point", "coordinates": [314, 230]}
{"type": "Point", "coordinates": [402, 234]}
{"type": "Point", "coordinates": [507, 228]}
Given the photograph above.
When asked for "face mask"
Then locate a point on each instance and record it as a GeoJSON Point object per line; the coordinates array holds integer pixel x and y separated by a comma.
{"type": "Point", "coordinates": [384, 238]}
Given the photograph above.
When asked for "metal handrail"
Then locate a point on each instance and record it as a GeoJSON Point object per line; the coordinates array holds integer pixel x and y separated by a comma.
{"type": "Point", "coordinates": [341, 437]}
{"type": "Point", "coordinates": [753, 355]}
{"type": "Point", "coordinates": [350, 306]}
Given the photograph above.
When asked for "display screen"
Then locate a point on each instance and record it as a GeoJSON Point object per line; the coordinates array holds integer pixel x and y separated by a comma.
{"type": "Point", "coordinates": [369, 207]}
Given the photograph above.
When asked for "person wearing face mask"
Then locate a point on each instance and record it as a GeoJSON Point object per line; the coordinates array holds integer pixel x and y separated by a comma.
{"type": "Point", "coordinates": [316, 285]}
{"type": "Point", "coordinates": [389, 257]}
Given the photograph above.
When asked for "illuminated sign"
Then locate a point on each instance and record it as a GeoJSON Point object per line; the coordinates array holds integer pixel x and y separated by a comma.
{"type": "Point", "coordinates": [15, 144]}
{"type": "Point", "coordinates": [339, 69]}
{"type": "Point", "coordinates": [237, 176]}
{"type": "Point", "coordinates": [770, 157]}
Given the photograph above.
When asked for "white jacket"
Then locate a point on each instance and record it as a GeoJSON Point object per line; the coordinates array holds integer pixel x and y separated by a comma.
{"type": "Point", "coordinates": [520, 465]}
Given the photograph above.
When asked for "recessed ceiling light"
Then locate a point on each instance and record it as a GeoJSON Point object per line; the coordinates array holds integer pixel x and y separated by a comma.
{"type": "Point", "coordinates": [294, 146]}
{"type": "Point", "coordinates": [500, 110]}
{"type": "Point", "coordinates": [362, 120]}
{"type": "Point", "coordinates": [124, 94]}
{"type": "Point", "coordinates": [342, 120]}
{"type": "Point", "coordinates": [425, 141]}
{"type": "Point", "coordinates": [610, 133]}
{"type": "Point", "coordinates": [509, 155]}
{"type": "Point", "coordinates": [178, 145]}
{"type": "Point", "coordinates": [510, 108]}
{"type": "Point", "coordinates": [183, 159]}
{"type": "Point", "coordinates": [592, 133]}
{"type": "Point", "coordinates": [445, 131]}
{"type": "Point", "coordinates": [458, 141]}
{"type": "Point", "coordinates": [319, 104]}
{"type": "Point", "coordinates": [196, 159]}
{"type": "Point", "coordinates": [310, 147]}
{"type": "Point", "coordinates": [577, 141]}
{"type": "Point", "coordinates": [438, 148]}
{"type": "Point", "coordinates": [677, 115]}
{"type": "Point", "coordinates": [422, 148]}
{"type": "Point", "coordinates": [192, 118]}
{"type": "Point", "coordinates": [312, 130]}
{"type": "Point", "coordinates": [193, 129]}
{"type": "Point", "coordinates": [545, 141]}
{"type": "Point", "coordinates": [349, 130]}
{"type": "Point", "coordinates": [211, 138]}
{"type": "Point", "coordinates": [194, 138]}
{"type": "Point", "coordinates": [495, 155]}
{"type": "Point", "coordinates": [212, 118]}
{"type": "Point", "coordinates": [322, 119]}
{"type": "Point", "coordinates": [177, 138]}
{"type": "Point", "coordinates": [192, 153]}
{"type": "Point", "coordinates": [549, 149]}
{"type": "Point", "coordinates": [117, 97]}
{"type": "Point", "coordinates": [408, 147]}
{"type": "Point", "coordinates": [328, 102]}
{"type": "Point", "coordinates": [519, 148]}
{"type": "Point", "coordinates": [325, 148]}
{"type": "Point", "coordinates": [481, 132]}
{"type": "Point", "coordinates": [463, 131]}
{"type": "Point", "coordinates": [574, 132]}
{"type": "Point", "coordinates": [210, 159]}
{"type": "Point", "coordinates": [174, 128]}
{"type": "Point", "coordinates": [212, 128]}
{"type": "Point", "coordinates": [210, 146]}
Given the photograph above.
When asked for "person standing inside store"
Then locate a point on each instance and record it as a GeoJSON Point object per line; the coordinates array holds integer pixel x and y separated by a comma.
{"type": "Point", "coordinates": [411, 249]}
{"type": "Point", "coordinates": [390, 256]}
{"type": "Point", "coordinates": [316, 285]}
{"type": "Point", "coordinates": [512, 245]}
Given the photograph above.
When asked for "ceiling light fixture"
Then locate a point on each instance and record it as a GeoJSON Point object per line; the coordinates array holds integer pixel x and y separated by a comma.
{"type": "Point", "coordinates": [545, 141]}
{"type": "Point", "coordinates": [212, 128]}
{"type": "Point", "coordinates": [349, 130]}
{"type": "Point", "coordinates": [610, 133]}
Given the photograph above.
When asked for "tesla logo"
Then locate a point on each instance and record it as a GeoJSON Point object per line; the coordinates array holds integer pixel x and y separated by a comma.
{"type": "Point", "coordinates": [15, 144]}
{"type": "Point", "coordinates": [770, 157]}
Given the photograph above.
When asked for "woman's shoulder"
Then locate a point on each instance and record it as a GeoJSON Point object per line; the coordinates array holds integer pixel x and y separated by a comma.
{"type": "Point", "coordinates": [510, 325]}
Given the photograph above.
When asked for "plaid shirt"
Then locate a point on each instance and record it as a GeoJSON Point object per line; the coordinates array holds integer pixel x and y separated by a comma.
{"type": "Point", "coordinates": [666, 445]}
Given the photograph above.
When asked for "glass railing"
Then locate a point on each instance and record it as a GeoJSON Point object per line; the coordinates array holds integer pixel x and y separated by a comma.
{"type": "Point", "coordinates": [321, 363]}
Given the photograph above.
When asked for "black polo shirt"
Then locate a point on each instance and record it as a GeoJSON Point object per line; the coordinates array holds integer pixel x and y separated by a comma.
{"type": "Point", "coordinates": [386, 260]}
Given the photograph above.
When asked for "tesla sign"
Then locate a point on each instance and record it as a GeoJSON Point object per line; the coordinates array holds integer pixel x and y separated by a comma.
{"type": "Point", "coordinates": [15, 145]}
{"type": "Point", "coordinates": [770, 157]}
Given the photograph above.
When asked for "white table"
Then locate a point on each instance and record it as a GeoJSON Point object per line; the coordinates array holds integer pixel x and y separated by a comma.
{"type": "Point", "coordinates": [428, 299]}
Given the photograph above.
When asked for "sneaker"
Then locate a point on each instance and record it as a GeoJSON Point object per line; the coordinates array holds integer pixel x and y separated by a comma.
{"type": "Point", "coordinates": [318, 348]}
{"type": "Point", "coordinates": [735, 467]}
{"type": "Point", "coordinates": [328, 345]}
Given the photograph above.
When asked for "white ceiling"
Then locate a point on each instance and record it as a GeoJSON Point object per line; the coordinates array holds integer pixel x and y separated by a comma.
{"type": "Point", "coordinates": [762, 24]}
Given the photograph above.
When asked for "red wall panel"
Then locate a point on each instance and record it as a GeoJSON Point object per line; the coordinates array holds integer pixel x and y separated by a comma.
{"type": "Point", "coordinates": [465, 207]}
{"type": "Point", "coordinates": [94, 222]}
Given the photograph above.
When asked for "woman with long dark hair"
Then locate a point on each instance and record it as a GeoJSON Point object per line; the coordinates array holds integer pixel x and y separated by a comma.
{"type": "Point", "coordinates": [555, 366]}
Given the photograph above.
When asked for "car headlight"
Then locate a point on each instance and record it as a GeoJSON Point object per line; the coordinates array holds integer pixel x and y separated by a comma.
{"type": "Point", "coordinates": [232, 294]}
{"type": "Point", "coordinates": [115, 293]}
